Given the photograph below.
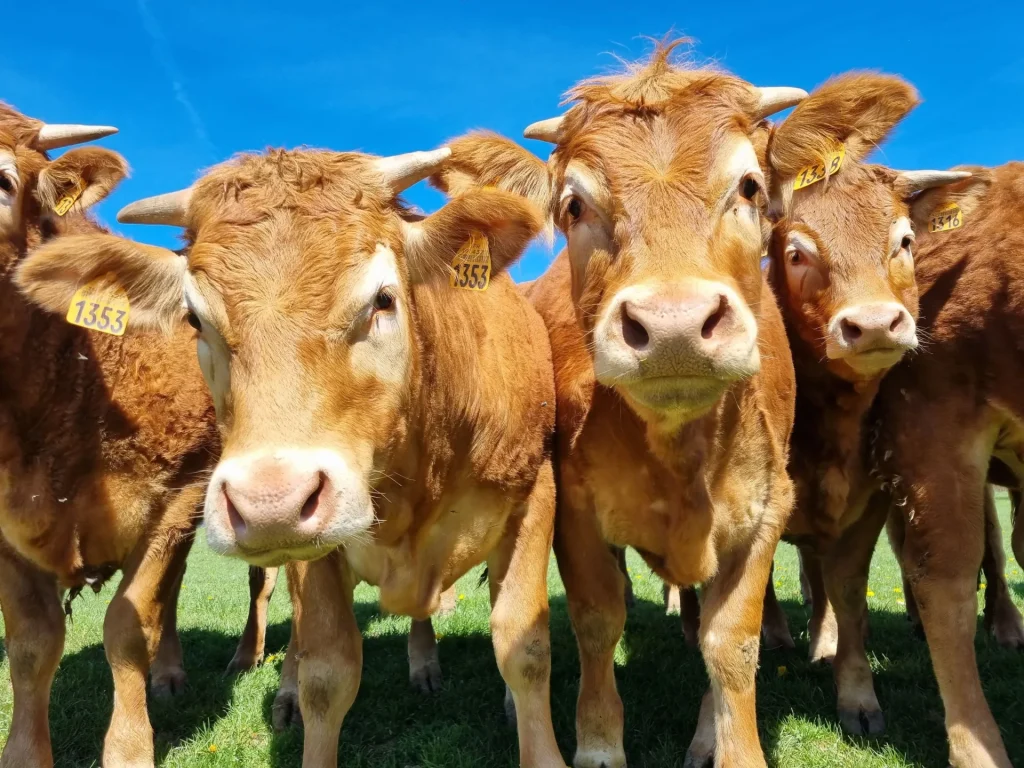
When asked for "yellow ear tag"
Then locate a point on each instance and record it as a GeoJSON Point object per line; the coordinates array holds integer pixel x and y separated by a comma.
{"type": "Point", "coordinates": [64, 204]}
{"type": "Point", "coordinates": [812, 174]}
{"type": "Point", "coordinates": [471, 267]}
{"type": "Point", "coordinates": [101, 305]}
{"type": "Point", "coordinates": [945, 218]}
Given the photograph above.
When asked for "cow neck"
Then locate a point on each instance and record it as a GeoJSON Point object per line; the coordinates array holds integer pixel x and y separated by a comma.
{"type": "Point", "coordinates": [828, 458]}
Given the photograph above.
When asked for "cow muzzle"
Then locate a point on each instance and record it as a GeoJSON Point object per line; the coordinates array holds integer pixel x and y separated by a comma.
{"type": "Point", "coordinates": [292, 505]}
{"type": "Point", "coordinates": [871, 337]}
{"type": "Point", "coordinates": [676, 347]}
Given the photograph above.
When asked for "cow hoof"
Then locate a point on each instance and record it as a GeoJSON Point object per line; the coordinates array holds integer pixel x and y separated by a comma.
{"type": "Point", "coordinates": [510, 709]}
{"type": "Point", "coordinates": [168, 682]}
{"type": "Point", "coordinates": [778, 637]}
{"type": "Point", "coordinates": [860, 722]}
{"type": "Point", "coordinates": [1008, 630]}
{"type": "Point", "coordinates": [599, 758]}
{"type": "Point", "coordinates": [427, 677]}
{"type": "Point", "coordinates": [695, 760]}
{"type": "Point", "coordinates": [244, 661]}
{"type": "Point", "coordinates": [286, 711]}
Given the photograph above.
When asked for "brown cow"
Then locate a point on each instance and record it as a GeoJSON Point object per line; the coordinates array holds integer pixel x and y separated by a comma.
{"type": "Point", "coordinates": [945, 414]}
{"type": "Point", "coordinates": [377, 421]}
{"type": "Point", "coordinates": [99, 469]}
{"type": "Point", "coordinates": [843, 269]}
{"type": "Point", "coordinates": [675, 389]}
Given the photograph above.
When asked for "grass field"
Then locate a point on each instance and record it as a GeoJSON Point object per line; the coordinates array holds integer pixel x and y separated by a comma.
{"type": "Point", "coordinates": [225, 721]}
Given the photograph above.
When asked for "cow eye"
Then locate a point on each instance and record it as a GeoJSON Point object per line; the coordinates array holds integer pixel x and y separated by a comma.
{"type": "Point", "coordinates": [795, 257]}
{"type": "Point", "coordinates": [575, 208]}
{"type": "Point", "coordinates": [6, 183]}
{"type": "Point", "coordinates": [749, 188]}
{"type": "Point", "coordinates": [383, 301]}
{"type": "Point", "coordinates": [193, 320]}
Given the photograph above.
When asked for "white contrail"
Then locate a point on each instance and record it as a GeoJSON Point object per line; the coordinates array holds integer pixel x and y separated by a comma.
{"type": "Point", "coordinates": [166, 62]}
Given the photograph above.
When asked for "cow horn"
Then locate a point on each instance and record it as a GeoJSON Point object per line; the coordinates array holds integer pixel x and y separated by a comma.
{"type": "Point", "coordinates": [921, 180]}
{"type": "Point", "coordinates": [776, 99]}
{"type": "Point", "coordinates": [64, 135]}
{"type": "Point", "coordinates": [169, 209]}
{"type": "Point", "coordinates": [402, 171]}
{"type": "Point", "coordinates": [545, 130]}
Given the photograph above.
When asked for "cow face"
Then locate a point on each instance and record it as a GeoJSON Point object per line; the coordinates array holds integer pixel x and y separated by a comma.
{"type": "Point", "coordinates": [34, 188]}
{"type": "Point", "coordinates": [298, 276]}
{"type": "Point", "coordinates": [842, 250]}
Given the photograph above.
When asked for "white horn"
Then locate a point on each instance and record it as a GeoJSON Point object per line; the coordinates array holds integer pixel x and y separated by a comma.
{"type": "Point", "coordinates": [545, 130]}
{"type": "Point", "coordinates": [776, 99]}
{"type": "Point", "coordinates": [402, 171]}
{"type": "Point", "coordinates": [169, 209]}
{"type": "Point", "coordinates": [61, 135]}
{"type": "Point", "coordinates": [921, 180]}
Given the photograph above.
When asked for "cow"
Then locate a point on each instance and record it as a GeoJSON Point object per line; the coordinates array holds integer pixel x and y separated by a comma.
{"type": "Point", "coordinates": [99, 469]}
{"type": "Point", "coordinates": [385, 395]}
{"type": "Point", "coordinates": [674, 382]}
{"type": "Point", "coordinates": [946, 415]}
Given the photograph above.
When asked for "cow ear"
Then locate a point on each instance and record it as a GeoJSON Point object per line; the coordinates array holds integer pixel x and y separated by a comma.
{"type": "Point", "coordinates": [507, 222]}
{"type": "Point", "coordinates": [151, 277]}
{"type": "Point", "coordinates": [857, 109]}
{"type": "Point", "coordinates": [79, 179]}
{"type": "Point", "coordinates": [967, 195]}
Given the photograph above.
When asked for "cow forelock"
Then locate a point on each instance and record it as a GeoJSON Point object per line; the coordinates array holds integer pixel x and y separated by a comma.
{"type": "Point", "coordinates": [845, 273]}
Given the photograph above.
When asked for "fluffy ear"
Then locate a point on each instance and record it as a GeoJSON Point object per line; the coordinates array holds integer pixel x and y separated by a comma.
{"type": "Point", "coordinates": [857, 109]}
{"type": "Point", "coordinates": [80, 178]}
{"type": "Point", "coordinates": [968, 195]}
{"type": "Point", "coordinates": [508, 222]}
{"type": "Point", "coordinates": [482, 159]}
{"type": "Point", "coordinates": [152, 277]}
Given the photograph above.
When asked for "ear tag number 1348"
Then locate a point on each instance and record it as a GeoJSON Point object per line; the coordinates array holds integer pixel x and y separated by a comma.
{"type": "Point", "coordinates": [471, 267]}
{"type": "Point", "coordinates": [101, 305]}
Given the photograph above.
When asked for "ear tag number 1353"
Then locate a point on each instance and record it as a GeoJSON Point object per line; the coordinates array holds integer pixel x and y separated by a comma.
{"type": "Point", "coordinates": [101, 305]}
{"type": "Point", "coordinates": [812, 174]}
{"type": "Point", "coordinates": [471, 267]}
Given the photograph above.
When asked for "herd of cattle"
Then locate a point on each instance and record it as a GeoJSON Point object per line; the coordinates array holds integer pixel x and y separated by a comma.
{"type": "Point", "coordinates": [751, 335]}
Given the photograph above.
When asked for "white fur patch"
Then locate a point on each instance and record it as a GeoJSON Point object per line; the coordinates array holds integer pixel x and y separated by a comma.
{"type": "Point", "coordinates": [9, 200]}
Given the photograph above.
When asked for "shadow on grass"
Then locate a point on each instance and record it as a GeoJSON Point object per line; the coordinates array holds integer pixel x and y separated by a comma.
{"type": "Point", "coordinates": [661, 684]}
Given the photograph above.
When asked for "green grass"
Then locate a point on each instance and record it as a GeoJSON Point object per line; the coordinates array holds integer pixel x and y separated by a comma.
{"type": "Point", "coordinates": [225, 721]}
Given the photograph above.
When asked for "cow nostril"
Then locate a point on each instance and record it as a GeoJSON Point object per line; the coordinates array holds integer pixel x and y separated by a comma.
{"type": "Point", "coordinates": [708, 329]}
{"type": "Point", "coordinates": [313, 502]}
{"type": "Point", "coordinates": [633, 331]}
{"type": "Point", "coordinates": [851, 331]}
{"type": "Point", "coordinates": [234, 517]}
{"type": "Point", "coordinates": [896, 323]}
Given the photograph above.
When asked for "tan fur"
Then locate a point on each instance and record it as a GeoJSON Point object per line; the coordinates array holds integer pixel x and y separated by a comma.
{"type": "Point", "coordinates": [456, 448]}
{"type": "Point", "coordinates": [705, 498]}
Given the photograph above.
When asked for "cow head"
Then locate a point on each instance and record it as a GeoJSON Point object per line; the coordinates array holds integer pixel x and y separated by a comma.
{"type": "Point", "coordinates": [298, 274]}
{"type": "Point", "coordinates": [656, 183]}
{"type": "Point", "coordinates": [842, 250]}
{"type": "Point", "coordinates": [34, 188]}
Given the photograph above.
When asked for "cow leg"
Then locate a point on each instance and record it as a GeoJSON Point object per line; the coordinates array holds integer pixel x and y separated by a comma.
{"type": "Point", "coordinates": [286, 711]}
{"type": "Point", "coordinates": [518, 577]}
{"type": "Point", "coordinates": [449, 599]}
{"type": "Point", "coordinates": [330, 659]}
{"type": "Point", "coordinates": [774, 626]}
{"type": "Point", "coordinates": [942, 551]}
{"type": "Point", "coordinates": [620, 554]}
{"type": "Point", "coordinates": [673, 604]}
{"type": "Point", "coordinates": [133, 624]}
{"type": "Point", "coordinates": [167, 675]}
{"type": "Point", "coordinates": [805, 584]}
{"type": "Point", "coordinates": [34, 624]}
{"type": "Point", "coordinates": [894, 528]}
{"type": "Point", "coordinates": [424, 663]}
{"type": "Point", "coordinates": [689, 608]}
{"type": "Point", "coordinates": [252, 645]}
{"type": "Point", "coordinates": [594, 594]}
{"type": "Point", "coordinates": [1017, 540]}
{"type": "Point", "coordinates": [1002, 618]}
{"type": "Point", "coordinates": [846, 584]}
{"type": "Point", "coordinates": [823, 630]}
{"type": "Point", "coordinates": [730, 639]}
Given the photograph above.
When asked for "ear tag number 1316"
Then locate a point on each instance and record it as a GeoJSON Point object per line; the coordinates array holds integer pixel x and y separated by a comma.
{"type": "Point", "coordinates": [101, 305]}
{"type": "Point", "coordinates": [471, 267]}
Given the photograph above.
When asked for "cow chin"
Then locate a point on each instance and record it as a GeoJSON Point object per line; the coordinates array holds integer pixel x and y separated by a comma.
{"type": "Point", "coordinates": [872, 364]}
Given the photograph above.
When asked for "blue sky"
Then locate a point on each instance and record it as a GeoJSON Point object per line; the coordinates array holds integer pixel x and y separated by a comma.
{"type": "Point", "coordinates": [190, 82]}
